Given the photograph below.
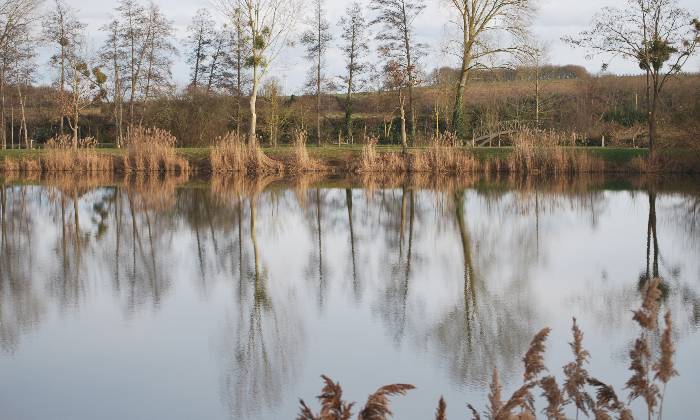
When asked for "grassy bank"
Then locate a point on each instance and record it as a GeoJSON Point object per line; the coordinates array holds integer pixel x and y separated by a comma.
{"type": "Point", "coordinates": [348, 158]}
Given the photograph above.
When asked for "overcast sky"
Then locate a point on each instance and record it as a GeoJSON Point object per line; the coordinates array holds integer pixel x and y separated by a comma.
{"type": "Point", "coordinates": [554, 19]}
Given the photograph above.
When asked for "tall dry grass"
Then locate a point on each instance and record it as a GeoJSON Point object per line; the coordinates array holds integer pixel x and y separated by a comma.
{"type": "Point", "coordinates": [152, 150]}
{"type": "Point", "coordinates": [445, 156]}
{"type": "Point", "coordinates": [542, 151]}
{"type": "Point", "coordinates": [580, 392]}
{"type": "Point", "coordinates": [301, 161]}
{"type": "Point", "coordinates": [231, 154]}
{"type": "Point", "coordinates": [533, 152]}
{"type": "Point", "coordinates": [60, 156]}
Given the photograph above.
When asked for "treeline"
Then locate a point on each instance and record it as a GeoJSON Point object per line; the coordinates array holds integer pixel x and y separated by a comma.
{"type": "Point", "coordinates": [388, 93]}
{"type": "Point", "coordinates": [592, 107]}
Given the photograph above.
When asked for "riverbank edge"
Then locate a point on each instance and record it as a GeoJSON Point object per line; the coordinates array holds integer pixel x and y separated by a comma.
{"type": "Point", "coordinates": [347, 159]}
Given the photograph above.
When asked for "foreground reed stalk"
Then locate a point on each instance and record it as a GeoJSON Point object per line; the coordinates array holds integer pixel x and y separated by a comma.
{"type": "Point", "coordinates": [580, 392]}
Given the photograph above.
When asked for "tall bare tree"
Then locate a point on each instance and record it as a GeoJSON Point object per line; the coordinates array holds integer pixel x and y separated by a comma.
{"type": "Point", "coordinates": [397, 43]}
{"type": "Point", "coordinates": [16, 17]}
{"type": "Point", "coordinates": [200, 38]}
{"type": "Point", "coordinates": [355, 47]}
{"type": "Point", "coordinates": [22, 75]}
{"type": "Point", "coordinates": [61, 29]}
{"type": "Point", "coordinates": [139, 52]}
{"type": "Point", "coordinates": [396, 79]}
{"type": "Point", "coordinates": [658, 34]}
{"type": "Point", "coordinates": [158, 59]}
{"type": "Point", "coordinates": [479, 22]}
{"type": "Point", "coordinates": [113, 56]}
{"type": "Point", "coordinates": [85, 87]}
{"type": "Point", "coordinates": [316, 40]}
{"type": "Point", "coordinates": [233, 68]}
{"type": "Point", "coordinates": [267, 25]}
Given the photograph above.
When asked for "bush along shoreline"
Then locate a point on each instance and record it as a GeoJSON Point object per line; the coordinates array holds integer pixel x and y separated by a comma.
{"type": "Point", "coordinates": [529, 152]}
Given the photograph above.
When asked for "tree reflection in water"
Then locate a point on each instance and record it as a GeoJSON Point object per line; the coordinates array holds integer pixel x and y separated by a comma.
{"type": "Point", "coordinates": [450, 270]}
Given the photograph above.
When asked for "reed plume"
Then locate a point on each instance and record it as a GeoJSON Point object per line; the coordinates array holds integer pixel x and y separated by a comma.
{"type": "Point", "coordinates": [555, 398]}
{"type": "Point", "coordinates": [576, 374]}
{"type": "Point", "coordinates": [664, 366]}
{"type": "Point", "coordinates": [377, 406]}
{"type": "Point", "coordinates": [495, 402]}
{"type": "Point", "coordinates": [534, 358]}
{"type": "Point", "coordinates": [607, 402]}
{"type": "Point", "coordinates": [334, 408]}
{"type": "Point", "coordinates": [521, 404]}
{"type": "Point", "coordinates": [522, 398]}
{"type": "Point", "coordinates": [475, 414]}
{"type": "Point", "coordinates": [441, 414]}
{"type": "Point", "coordinates": [647, 315]}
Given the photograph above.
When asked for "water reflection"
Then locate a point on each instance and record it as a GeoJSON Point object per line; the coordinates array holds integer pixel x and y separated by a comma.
{"type": "Point", "coordinates": [457, 272]}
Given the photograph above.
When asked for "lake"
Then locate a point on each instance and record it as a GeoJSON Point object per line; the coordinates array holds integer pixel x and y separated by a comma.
{"type": "Point", "coordinates": [228, 298]}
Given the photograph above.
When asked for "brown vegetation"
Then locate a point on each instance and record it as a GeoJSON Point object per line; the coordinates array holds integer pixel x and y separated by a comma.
{"type": "Point", "coordinates": [585, 393]}
{"type": "Point", "coordinates": [61, 156]}
{"type": "Point", "coordinates": [301, 161]}
{"type": "Point", "coordinates": [536, 151]}
{"type": "Point", "coordinates": [231, 154]}
{"type": "Point", "coordinates": [152, 150]}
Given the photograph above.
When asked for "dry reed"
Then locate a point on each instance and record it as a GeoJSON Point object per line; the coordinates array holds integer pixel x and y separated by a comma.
{"type": "Point", "coordinates": [231, 154]}
{"type": "Point", "coordinates": [61, 156]}
{"type": "Point", "coordinates": [301, 161]}
{"type": "Point", "coordinates": [521, 404]}
{"type": "Point", "coordinates": [152, 150]}
{"type": "Point", "coordinates": [333, 407]}
{"type": "Point", "coordinates": [537, 151]}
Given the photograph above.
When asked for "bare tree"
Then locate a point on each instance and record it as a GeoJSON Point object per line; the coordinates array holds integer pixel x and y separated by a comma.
{"type": "Point", "coordinates": [267, 25]}
{"type": "Point", "coordinates": [657, 34]}
{"type": "Point", "coordinates": [397, 43]}
{"type": "Point", "coordinates": [200, 38]}
{"type": "Point", "coordinates": [316, 40]}
{"type": "Point", "coordinates": [217, 59]}
{"type": "Point", "coordinates": [132, 29]}
{"type": "Point", "coordinates": [139, 52]}
{"type": "Point", "coordinates": [16, 17]}
{"type": "Point", "coordinates": [158, 58]}
{"type": "Point", "coordinates": [22, 75]}
{"type": "Point", "coordinates": [85, 87]}
{"type": "Point", "coordinates": [396, 79]}
{"type": "Point", "coordinates": [61, 29]}
{"type": "Point", "coordinates": [113, 56]}
{"type": "Point", "coordinates": [233, 67]}
{"type": "Point", "coordinates": [534, 56]}
{"type": "Point", "coordinates": [478, 22]}
{"type": "Point", "coordinates": [355, 48]}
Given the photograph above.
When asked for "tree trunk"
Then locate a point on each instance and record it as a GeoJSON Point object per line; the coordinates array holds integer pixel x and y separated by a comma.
{"type": "Point", "coordinates": [63, 78]}
{"type": "Point", "coordinates": [23, 117]}
{"type": "Point", "coordinates": [459, 124]}
{"type": "Point", "coordinates": [651, 115]}
{"type": "Point", "coordinates": [537, 96]}
{"type": "Point", "coordinates": [404, 140]}
{"type": "Point", "coordinates": [253, 115]}
{"type": "Point", "coordinates": [3, 130]}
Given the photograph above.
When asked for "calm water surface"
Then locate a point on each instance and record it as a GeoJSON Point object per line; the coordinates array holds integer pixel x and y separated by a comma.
{"type": "Point", "coordinates": [227, 300]}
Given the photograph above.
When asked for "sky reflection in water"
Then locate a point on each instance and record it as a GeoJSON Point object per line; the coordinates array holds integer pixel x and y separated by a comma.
{"type": "Point", "coordinates": [147, 300]}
